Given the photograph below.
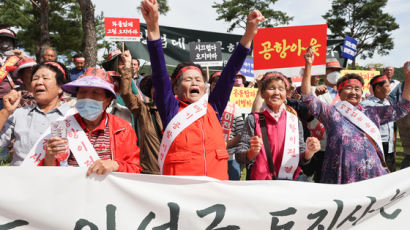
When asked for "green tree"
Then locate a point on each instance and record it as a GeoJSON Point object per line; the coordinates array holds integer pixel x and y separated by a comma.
{"type": "Point", "coordinates": [64, 25]}
{"type": "Point", "coordinates": [365, 21]}
{"type": "Point", "coordinates": [236, 11]}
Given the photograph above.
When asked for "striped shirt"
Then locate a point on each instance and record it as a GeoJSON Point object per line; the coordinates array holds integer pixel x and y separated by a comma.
{"type": "Point", "coordinates": [99, 138]}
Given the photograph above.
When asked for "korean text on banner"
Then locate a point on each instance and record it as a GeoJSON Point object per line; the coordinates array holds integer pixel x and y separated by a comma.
{"type": "Point", "coordinates": [122, 29]}
{"type": "Point", "coordinates": [247, 69]}
{"type": "Point", "coordinates": [128, 201]}
{"type": "Point", "coordinates": [243, 97]}
{"type": "Point", "coordinates": [282, 49]}
{"type": "Point", "coordinates": [349, 48]}
{"type": "Point", "coordinates": [366, 75]}
{"type": "Point", "coordinates": [206, 53]}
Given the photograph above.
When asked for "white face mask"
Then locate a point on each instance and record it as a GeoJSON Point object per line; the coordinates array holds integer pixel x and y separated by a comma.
{"type": "Point", "coordinates": [89, 109]}
{"type": "Point", "coordinates": [333, 77]}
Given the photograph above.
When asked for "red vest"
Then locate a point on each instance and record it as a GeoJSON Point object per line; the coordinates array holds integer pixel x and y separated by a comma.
{"type": "Point", "coordinates": [199, 150]}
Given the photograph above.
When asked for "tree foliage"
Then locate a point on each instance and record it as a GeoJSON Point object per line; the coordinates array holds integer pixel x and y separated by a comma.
{"type": "Point", "coordinates": [365, 21]}
{"type": "Point", "coordinates": [65, 28]}
{"type": "Point", "coordinates": [236, 11]}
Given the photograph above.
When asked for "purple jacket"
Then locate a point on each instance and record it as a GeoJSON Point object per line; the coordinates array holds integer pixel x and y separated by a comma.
{"type": "Point", "coordinates": [164, 98]}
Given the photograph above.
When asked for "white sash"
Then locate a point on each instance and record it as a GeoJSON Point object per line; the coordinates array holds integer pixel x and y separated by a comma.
{"type": "Point", "coordinates": [290, 158]}
{"type": "Point", "coordinates": [227, 120]}
{"type": "Point", "coordinates": [359, 119]}
{"type": "Point", "coordinates": [179, 122]}
{"type": "Point", "coordinates": [78, 143]}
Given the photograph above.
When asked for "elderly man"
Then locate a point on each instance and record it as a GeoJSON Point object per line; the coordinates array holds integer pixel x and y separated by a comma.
{"type": "Point", "coordinates": [49, 54]}
{"type": "Point", "coordinates": [137, 78]}
{"type": "Point", "coordinates": [381, 89]}
{"type": "Point", "coordinates": [110, 138]}
{"type": "Point", "coordinates": [389, 72]}
{"type": "Point", "coordinates": [79, 62]}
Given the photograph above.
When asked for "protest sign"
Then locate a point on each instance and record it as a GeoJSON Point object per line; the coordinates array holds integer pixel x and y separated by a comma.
{"type": "Point", "coordinates": [243, 97]}
{"type": "Point", "coordinates": [366, 75]}
{"type": "Point", "coordinates": [247, 69]}
{"type": "Point", "coordinates": [176, 49]}
{"type": "Point", "coordinates": [122, 29]}
{"type": "Point", "coordinates": [206, 53]}
{"type": "Point", "coordinates": [282, 49]}
{"type": "Point", "coordinates": [64, 198]}
{"type": "Point", "coordinates": [349, 48]}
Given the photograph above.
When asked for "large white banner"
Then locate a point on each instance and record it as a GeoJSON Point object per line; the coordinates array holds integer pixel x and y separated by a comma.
{"type": "Point", "coordinates": [64, 198]}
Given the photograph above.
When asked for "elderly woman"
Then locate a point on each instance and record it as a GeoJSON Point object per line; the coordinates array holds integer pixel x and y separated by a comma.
{"type": "Point", "coordinates": [193, 142]}
{"type": "Point", "coordinates": [273, 139]}
{"type": "Point", "coordinates": [28, 123]}
{"type": "Point", "coordinates": [112, 138]}
{"type": "Point", "coordinates": [354, 150]}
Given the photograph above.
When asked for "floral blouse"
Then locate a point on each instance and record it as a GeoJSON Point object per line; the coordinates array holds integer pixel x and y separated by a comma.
{"type": "Point", "coordinates": [350, 156]}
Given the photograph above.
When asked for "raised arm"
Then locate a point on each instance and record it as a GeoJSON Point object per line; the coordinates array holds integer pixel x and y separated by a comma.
{"type": "Point", "coordinates": [131, 100]}
{"type": "Point", "coordinates": [163, 95]}
{"type": "Point", "coordinates": [149, 10]}
{"type": "Point", "coordinates": [406, 91]}
{"type": "Point", "coordinates": [258, 102]}
{"type": "Point", "coordinates": [306, 81]}
{"type": "Point", "coordinates": [220, 96]}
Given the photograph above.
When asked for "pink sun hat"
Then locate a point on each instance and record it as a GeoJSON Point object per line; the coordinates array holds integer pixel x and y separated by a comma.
{"type": "Point", "coordinates": [92, 77]}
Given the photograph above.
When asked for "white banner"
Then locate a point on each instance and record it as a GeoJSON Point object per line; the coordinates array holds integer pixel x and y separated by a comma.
{"type": "Point", "coordinates": [64, 198]}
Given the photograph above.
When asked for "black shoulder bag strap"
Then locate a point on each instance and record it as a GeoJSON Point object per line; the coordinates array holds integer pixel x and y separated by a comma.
{"type": "Point", "coordinates": [267, 145]}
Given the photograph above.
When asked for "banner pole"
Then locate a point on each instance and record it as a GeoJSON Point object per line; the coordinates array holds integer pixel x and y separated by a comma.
{"type": "Point", "coordinates": [207, 73]}
{"type": "Point", "coordinates": [122, 47]}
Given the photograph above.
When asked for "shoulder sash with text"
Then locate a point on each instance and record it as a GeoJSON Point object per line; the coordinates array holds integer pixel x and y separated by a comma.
{"type": "Point", "coordinates": [179, 122]}
{"type": "Point", "coordinates": [290, 159]}
{"type": "Point", "coordinates": [359, 119]}
{"type": "Point", "coordinates": [78, 142]}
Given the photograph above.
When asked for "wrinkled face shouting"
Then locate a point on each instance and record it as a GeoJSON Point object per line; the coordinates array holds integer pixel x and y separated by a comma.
{"type": "Point", "coordinates": [274, 94]}
{"type": "Point", "coordinates": [45, 88]}
{"type": "Point", "coordinates": [190, 86]}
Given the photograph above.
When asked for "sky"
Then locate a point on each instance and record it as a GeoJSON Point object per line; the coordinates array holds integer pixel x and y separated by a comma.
{"type": "Point", "coordinates": [199, 15]}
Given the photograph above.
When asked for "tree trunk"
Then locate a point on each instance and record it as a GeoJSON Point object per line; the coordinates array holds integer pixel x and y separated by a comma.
{"type": "Point", "coordinates": [44, 31]}
{"type": "Point", "coordinates": [90, 36]}
{"type": "Point", "coordinates": [354, 63]}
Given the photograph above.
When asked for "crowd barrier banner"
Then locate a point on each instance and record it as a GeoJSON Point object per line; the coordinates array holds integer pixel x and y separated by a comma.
{"type": "Point", "coordinates": [282, 49]}
{"type": "Point", "coordinates": [64, 198]}
{"type": "Point", "coordinates": [366, 75]}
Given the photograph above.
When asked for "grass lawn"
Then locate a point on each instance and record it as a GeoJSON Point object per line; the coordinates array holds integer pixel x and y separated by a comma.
{"type": "Point", "coordinates": [399, 154]}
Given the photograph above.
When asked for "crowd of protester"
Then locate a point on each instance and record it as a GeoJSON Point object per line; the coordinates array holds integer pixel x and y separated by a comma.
{"type": "Point", "coordinates": [184, 124]}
